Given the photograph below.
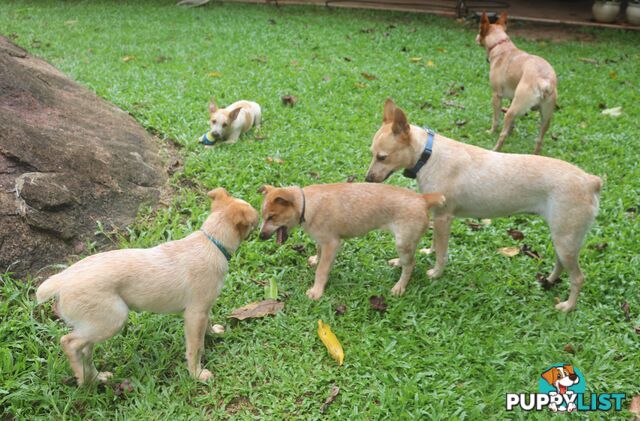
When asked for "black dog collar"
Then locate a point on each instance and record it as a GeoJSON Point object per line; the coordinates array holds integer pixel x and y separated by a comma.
{"type": "Point", "coordinates": [424, 157]}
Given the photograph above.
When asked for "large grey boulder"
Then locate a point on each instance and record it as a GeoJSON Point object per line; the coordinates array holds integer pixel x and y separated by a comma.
{"type": "Point", "coordinates": [67, 160]}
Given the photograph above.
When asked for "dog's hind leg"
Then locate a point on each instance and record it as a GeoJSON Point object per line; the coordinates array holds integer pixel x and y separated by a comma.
{"type": "Point", "coordinates": [496, 101]}
{"type": "Point", "coordinates": [521, 103]}
{"type": "Point", "coordinates": [568, 232]}
{"type": "Point", "coordinates": [95, 319]}
{"type": "Point", "coordinates": [547, 106]}
{"type": "Point", "coordinates": [441, 232]}
{"type": "Point", "coordinates": [406, 243]}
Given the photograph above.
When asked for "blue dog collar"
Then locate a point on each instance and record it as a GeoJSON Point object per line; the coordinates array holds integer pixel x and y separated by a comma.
{"type": "Point", "coordinates": [424, 157]}
{"type": "Point", "coordinates": [217, 244]}
{"type": "Point", "coordinates": [207, 139]}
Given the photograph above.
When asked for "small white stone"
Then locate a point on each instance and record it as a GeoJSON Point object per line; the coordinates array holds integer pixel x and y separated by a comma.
{"type": "Point", "coordinates": [217, 329]}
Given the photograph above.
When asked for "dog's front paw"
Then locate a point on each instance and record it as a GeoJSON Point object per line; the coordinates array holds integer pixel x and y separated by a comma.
{"type": "Point", "coordinates": [398, 289]}
{"type": "Point", "coordinates": [313, 260]}
{"type": "Point", "coordinates": [394, 262]}
{"type": "Point", "coordinates": [565, 306]}
{"type": "Point", "coordinates": [104, 376]}
{"type": "Point", "coordinates": [314, 293]}
{"type": "Point", "coordinates": [434, 273]}
{"type": "Point", "coordinates": [205, 375]}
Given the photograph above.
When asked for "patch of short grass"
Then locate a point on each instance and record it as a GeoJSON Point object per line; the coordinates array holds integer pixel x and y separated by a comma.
{"type": "Point", "coordinates": [447, 349]}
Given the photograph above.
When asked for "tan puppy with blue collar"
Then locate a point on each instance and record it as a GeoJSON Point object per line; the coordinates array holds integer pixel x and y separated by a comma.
{"type": "Point", "coordinates": [484, 184]}
{"type": "Point", "coordinates": [95, 294]}
{"type": "Point", "coordinates": [330, 213]}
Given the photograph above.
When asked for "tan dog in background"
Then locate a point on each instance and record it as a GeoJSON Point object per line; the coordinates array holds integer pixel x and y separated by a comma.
{"type": "Point", "coordinates": [332, 212]}
{"type": "Point", "coordinates": [227, 124]}
{"type": "Point", "coordinates": [526, 79]}
{"type": "Point", "coordinates": [95, 294]}
{"type": "Point", "coordinates": [484, 184]}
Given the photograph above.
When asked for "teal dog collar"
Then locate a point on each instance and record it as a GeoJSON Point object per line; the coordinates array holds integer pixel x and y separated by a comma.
{"type": "Point", "coordinates": [217, 244]}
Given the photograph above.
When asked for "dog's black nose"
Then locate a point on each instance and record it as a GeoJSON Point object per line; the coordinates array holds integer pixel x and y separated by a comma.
{"type": "Point", "coordinates": [573, 377]}
{"type": "Point", "coordinates": [263, 235]}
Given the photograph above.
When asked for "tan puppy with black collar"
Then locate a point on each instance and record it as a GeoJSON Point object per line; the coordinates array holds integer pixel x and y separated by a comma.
{"type": "Point", "coordinates": [227, 124]}
{"type": "Point", "coordinates": [330, 213]}
{"type": "Point", "coordinates": [95, 294]}
{"type": "Point", "coordinates": [483, 184]}
{"type": "Point", "coordinates": [527, 79]}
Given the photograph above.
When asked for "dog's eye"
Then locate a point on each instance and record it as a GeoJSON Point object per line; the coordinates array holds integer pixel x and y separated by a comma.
{"type": "Point", "coordinates": [381, 157]}
{"type": "Point", "coordinates": [213, 122]}
{"type": "Point", "coordinates": [224, 124]}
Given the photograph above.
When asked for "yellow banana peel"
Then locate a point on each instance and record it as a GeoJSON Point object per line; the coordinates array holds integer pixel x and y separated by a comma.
{"type": "Point", "coordinates": [331, 342]}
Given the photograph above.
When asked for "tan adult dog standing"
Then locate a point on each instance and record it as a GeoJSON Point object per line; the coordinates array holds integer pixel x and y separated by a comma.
{"type": "Point", "coordinates": [526, 79]}
{"type": "Point", "coordinates": [95, 294]}
{"type": "Point", "coordinates": [330, 213]}
{"type": "Point", "coordinates": [484, 184]}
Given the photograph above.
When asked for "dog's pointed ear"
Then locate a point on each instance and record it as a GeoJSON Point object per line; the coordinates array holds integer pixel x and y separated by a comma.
{"type": "Point", "coordinates": [265, 188]}
{"type": "Point", "coordinates": [400, 124]}
{"type": "Point", "coordinates": [281, 200]}
{"type": "Point", "coordinates": [550, 375]}
{"type": "Point", "coordinates": [484, 24]}
{"type": "Point", "coordinates": [389, 108]}
{"type": "Point", "coordinates": [502, 20]}
{"type": "Point", "coordinates": [234, 114]}
{"type": "Point", "coordinates": [218, 194]}
{"type": "Point", "coordinates": [212, 106]}
{"type": "Point", "coordinates": [244, 219]}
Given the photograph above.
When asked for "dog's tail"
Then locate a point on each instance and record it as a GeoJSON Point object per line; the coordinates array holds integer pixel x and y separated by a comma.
{"type": "Point", "coordinates": [49, 288]}
{"type": "Point", "coordinates": [434, 200]}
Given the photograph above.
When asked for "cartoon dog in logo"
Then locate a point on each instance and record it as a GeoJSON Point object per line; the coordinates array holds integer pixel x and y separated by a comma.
{"type": "Point", "coordinates": [562, 378]}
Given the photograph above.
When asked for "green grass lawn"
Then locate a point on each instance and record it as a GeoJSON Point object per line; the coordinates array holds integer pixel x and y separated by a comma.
{"type": "Point", "coordinates": [447, 349]}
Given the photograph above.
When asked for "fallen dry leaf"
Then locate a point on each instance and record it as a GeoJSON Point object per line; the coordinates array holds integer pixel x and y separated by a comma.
{"type": "Point", "coordinates": [627, 311]}
{"type": "Point", "coordinates": [613, 112]}
{"type": "Point", "coordinates": [289, 100]}
{"type": "Point", "coordinates": [474, 225]}
{"type": "Point", "coordinates": [515, 234]}
{"type": "Point", "coordinates": [128, 58]}
{"type": "Point", "coordinates": [461, 123]}
{"type": "Point", "coordinates": [452, 104]}
{"type": "Point", "coordinates": [429, 63]}
{"type": "Point", "coordinates": [528, 251]}
{"type": "Point", "coordinates": [368, 76]}
{"type": "Point", "coordinates": [360, 85]}
{"type": "Point", "coordinates": [588, 60]}
{"type": "Point", "coordinates": [378, 303]}
{"type": "Point", "coordinates": [415, 59]}
{"type": "Point", "coordinates": [257, 309]}
{"type": "Point", "coordinates": [124, 387]}
{"type": "Point", "coordinates": [634, 407]}
{"type": "Point", "coordinates": [341, 309]}
{"type": "Point", "coordinates": [599, 246]}
{"type": "Point", "coordinates": [509, 251]}
{"type": "Point", "coordinates": [569, 348]}
{"type": "Point", "coordinates": [613, 75]}
{"type": "Point", "coordinates": [335, 390]}
{"type": "Point", "coordinates": [271, 160]}
{"type": "Point", "coordinates": [70, 22]}
{"type": "Point", "coordinates": [214, 74]}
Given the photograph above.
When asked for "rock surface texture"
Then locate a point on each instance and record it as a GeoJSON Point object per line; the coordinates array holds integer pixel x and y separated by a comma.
{"type": "Point", "coordinates": [68, 159]}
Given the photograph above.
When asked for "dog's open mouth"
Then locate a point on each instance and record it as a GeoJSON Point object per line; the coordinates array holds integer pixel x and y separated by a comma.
{"type": "Point", "coordinates": [563, 389]}
{"type": "Point", "coordinates": [281, 235]}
